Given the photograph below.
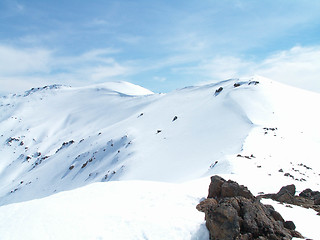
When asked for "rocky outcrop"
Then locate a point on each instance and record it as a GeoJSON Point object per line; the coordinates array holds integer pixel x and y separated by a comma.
{"type": "Point", "coordinates": [307, 198]}
{"type": "Point", "coordinates": [232, 212]}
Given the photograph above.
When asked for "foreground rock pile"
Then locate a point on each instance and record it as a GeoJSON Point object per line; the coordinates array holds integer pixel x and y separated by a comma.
{"type": "Point", "coordinates": [307, 198]}
{"type": "Point", "coordinates": [233, 213]}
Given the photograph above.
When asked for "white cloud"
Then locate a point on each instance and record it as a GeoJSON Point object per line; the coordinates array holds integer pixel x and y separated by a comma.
{"type": "Point", "coordinates": [101, 73]}
{"type": "Point", "coordinates": [298, 66]}
{"type": "Point", "coordinates": [97, 22]}
{"type": "Point", "coordinates": [22, 61]}
{"type": "Point", "coordinates": [23, 68]}
{"type": "Point", "coordinates": [159, 79]}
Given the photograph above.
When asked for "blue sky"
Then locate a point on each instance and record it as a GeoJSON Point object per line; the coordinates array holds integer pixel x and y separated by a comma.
{"type": "Point", "coordinates": [161, 45]}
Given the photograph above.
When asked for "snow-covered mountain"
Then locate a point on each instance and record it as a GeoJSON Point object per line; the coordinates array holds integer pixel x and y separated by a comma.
{"type": "Point", "coordinates": [56, 138]}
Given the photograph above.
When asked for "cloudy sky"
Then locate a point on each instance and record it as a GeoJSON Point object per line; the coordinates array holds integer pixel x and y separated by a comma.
{"type": "Point", "coordinates": [161, 45]}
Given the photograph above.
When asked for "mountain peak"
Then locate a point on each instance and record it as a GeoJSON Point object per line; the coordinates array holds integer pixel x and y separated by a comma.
{"type": "Point", "coordinates": [121, 87]}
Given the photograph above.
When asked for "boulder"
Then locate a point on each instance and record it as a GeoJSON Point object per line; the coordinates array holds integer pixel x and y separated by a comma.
{"type": "Point", "coordinates": [289, 225]}
{"type": "Point", "coordinates": [306, 193]}
{"type": "Point", "coordinates": [290, 189]}
{"type": "Point", "coordinates": [232, 212]}
{"type": "Point", "coordinates": [307, 198]}
{"type": "Point", "coordinates": [285, 198]}
{"type": "Point", "coordinates": [215, 187]}
{"type": "Point", "coordinates": [221, 188]}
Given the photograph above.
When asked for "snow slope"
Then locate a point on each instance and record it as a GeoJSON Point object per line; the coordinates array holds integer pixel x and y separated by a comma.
{"type": "Point", "coordinates": [256, 131]}
{"type": "Point", "coordinates": [116, 210]}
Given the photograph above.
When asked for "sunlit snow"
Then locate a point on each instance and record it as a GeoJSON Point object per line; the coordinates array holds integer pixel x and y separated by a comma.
{"type": "Point", "coordinates": [116, 161]}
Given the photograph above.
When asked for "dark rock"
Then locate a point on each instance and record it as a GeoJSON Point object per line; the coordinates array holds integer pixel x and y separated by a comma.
{"type": "Point", "coordinates": [296, 234]}
{"type": "Point", "coordinates": [285, 198]}
{"type": "Point", "coordinates": [222, 188]}
{"type": "Point", "coordinates": [175, 118]}
{"type": "Point", "coordinates": [289, 225]}
{"type": "Point", "coordinates": [253, 83]}
{"type": "Point", "coordinates": [218, 91]}
{"type": "Point", "coordinates": [232, 212]}
{"type": "Point", "coordinates": [236, 85]}
{"type": "Point", "coordinates": [215, 187]}
{"type": "Point", "coordinates": [306, 193]}
{"type": "Point", "coordinates": [290, 189]}
{"type": "Point", "coordinates": [288, 175]}
{"type": "Point", "coordinates": [276, 216]}
{"type": "Point", "coordinates": [85, 164]}
{"type": "Point", "coordinates": [206, 204]}
{"type": "Point", "coordinates": [310, 195]}
{"type": "Point", "coordinates": [307, 198]}
{"type": "Point", "coordinates": [223, 222]}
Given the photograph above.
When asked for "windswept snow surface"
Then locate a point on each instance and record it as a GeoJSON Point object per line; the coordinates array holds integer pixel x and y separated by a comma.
{"type": "Point", "coordinates": [113, 210]}
{"type": "Point", "coordinates": [256, 131]}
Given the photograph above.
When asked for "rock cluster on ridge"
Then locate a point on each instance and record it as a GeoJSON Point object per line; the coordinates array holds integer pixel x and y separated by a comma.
{"type": "Point", "coordinates": [307, 198]}
{"type": "Point", "coordinates": [233, 213]}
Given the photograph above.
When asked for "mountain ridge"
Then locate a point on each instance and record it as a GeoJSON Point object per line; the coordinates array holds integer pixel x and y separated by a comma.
{"type": "Point", "coordinates": [89, 136]}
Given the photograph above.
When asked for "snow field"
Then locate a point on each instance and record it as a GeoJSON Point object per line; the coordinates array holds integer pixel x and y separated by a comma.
{"type": "Point", "coordinates": [113, 210]}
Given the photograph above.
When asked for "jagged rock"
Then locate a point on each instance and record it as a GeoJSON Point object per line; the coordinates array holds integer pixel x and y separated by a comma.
{"type": "Point", "coordinates": [306, 193]}
{"type": "Point", "coordinates": [285, 194]}
{"type": "Point", "coordinates": [289, 225]}
{"type": "Point", "coordinates": [285, 198]}
{"type": "Point", "coordinates": [222, 188]}
{"type": "Point", "coordinates": [215, 186]}
{"type": "Point", "coordinates": [276, 216]}
{"type": "Point", "coordinates": [307, 198]}
{"type": "Point", "coordinates": [207, 203]}
{"type": "Point", "coordinates": [290, 189]}
{"type": "Point", "coordinates": [232, 212]}
{"type": "Point", "coordinates": [219, 89]}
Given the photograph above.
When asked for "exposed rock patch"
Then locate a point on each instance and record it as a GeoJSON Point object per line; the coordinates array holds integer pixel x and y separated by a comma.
{"type": "Point", "coordinates": [232, 212]}
{"type": "Point", "coordinates": [307, 198]}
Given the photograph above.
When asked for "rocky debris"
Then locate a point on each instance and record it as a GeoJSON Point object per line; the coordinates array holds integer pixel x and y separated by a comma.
{"type": "Point", "coordinates": [33, 90]}
{"type": "Point", "coordinates": [253, 82]}
{"type": "Point", "coordinates": [219, 90]}
{"type": "Point", "coordinates": [305, 166]}
{"type": "Point", "coordinates": [64, 145]}
{"type": "Point", "coordinates": [12, 139]}
{"type": "Point", "coordinates": [232, 212]}
{"type": "Point", "coordinates": [307, 198]}
{"type": "Point", "coordinates": [39, 160]}
{"type": "Point", "coordinates": [248, 157]}
{"type": "Point", "coordinates": [270, 128]}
